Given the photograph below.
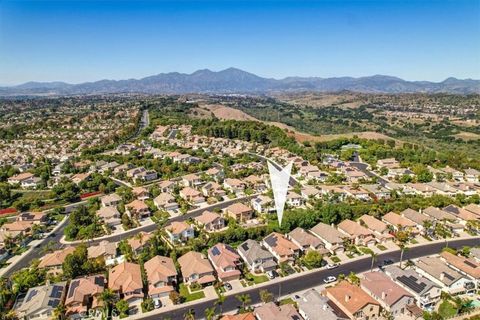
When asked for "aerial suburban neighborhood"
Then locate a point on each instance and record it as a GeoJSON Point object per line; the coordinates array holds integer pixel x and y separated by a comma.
{"type": "Point", "coordinates": [175, 214]}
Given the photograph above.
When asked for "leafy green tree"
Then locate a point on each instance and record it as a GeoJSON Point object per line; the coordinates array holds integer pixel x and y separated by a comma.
{"type": "Point", "coordinates": [266, 296]}
{"type": "Point", "coordinates": [313, 259]}
{"type": "Point", "coordinates": [122, 307]}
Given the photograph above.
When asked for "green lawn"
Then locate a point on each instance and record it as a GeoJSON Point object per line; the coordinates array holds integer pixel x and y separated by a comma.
{"type": "Point", "coordinates": [187, 296]}
{"type": "Point", "coordinates": [287, 301]}
{"type": "Point", "coordinates": [447, 309]}
{"type": "Point", "coordinates": [335, 259]}
{"type": "Point", "coordinates": [253, 279]}
{"type": "Point", "coordinates": [381, 247]}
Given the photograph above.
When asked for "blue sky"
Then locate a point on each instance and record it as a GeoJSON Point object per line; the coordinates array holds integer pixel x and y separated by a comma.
{"type": "Point", "coordinates": [78, 41]}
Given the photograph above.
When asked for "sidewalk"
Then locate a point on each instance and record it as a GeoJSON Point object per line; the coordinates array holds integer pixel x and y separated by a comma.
{"type": "Point", "coordinates": [32, 246]}
{"type": "Point", "coordinates": [274, 281]}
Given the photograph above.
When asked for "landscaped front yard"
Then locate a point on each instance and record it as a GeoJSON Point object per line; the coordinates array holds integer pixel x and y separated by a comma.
{"type": "Point", "coordinates": [187, 296]}
{"type": "Point", "coordinates": [254, 279]}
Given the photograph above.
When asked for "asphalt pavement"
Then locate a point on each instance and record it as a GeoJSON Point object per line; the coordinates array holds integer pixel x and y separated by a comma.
{"type": "Point", "coordinates": [307, 280]}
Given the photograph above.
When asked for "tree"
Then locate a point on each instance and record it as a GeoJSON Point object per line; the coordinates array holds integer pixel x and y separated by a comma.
{"type": "Point", "coordinates": [210, 313]}
{"type": "Point", "coordinates": [353, 278]}
{"type": "Point", "coordinates": [189, 315]}
{"type": "Point", "coordinates": [108, 297]}
{"type": "Point", "coordinates": [147, 305]}
{"type": "Point", "coordinates": [266, 296]}
{"type": "Point", "coordinates": [374, 258]}
{"type": "Point", "coordinates": [175, 297]}
{"type": "Point", "coordinates": [122, 307]}
{"type": "Point", "coordinates": [59, 312]}
{"type": "Point", "coordinates": [245, 300]}
{"type": "Point", "coordinates": [313, 259]}
{"type": "Point", "coordinates": [402, 237]}
{"type": "Point", "coordinates": [220, 301]}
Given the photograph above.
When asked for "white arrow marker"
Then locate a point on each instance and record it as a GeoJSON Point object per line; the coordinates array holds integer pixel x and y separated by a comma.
{"type": "Point", "coordinates": [280, 182]}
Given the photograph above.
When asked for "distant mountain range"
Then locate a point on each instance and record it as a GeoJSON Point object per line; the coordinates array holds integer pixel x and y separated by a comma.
{"type": "Point", "coordinates": [238, 81]}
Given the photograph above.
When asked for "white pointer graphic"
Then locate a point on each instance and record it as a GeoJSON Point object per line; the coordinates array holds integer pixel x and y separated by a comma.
{"type": "Point", "coordinates": [279, 180]}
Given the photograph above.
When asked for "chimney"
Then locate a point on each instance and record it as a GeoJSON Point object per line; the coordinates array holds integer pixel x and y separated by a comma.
{"type": "Point", "coordinates": [324, 307]}
{"type": "Point", "coordinates": [347, 298]}
{"type": "Point", "coordinates": [442, 276]}
{"type": "Point", "coordinates": [384, 295]}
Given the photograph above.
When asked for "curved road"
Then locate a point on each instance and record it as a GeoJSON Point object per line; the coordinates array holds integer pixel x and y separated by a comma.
{"type": "Point", "coordinates": [306, 280]}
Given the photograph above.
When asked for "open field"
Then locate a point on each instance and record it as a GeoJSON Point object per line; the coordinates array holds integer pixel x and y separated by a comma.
{"type": "Point", "coordinates": [467, 136]}
{"type": "Point", "coordinates": [228, 113]}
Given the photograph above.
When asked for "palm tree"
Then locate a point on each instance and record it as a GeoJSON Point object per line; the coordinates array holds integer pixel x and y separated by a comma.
{"type": "Point", "coordinates": [210, 313]}
{"type": "Point", "coordinates": [244, 299]}
{"type": "Point", "coordinates": [108, 297]}
{"type": "Point", "coordinates": [59, 311]}
{"type": "Point", "coordinates": [190, 315]}
{"type": "Point", "coordinates": [220, 301]}
{"type": "Point", "coordinates": [266, 296]}
{"type": "Point", "coordinates": [374, 258]}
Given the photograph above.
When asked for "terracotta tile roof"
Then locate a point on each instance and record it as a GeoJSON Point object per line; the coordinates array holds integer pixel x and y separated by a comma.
{"type": "Point", "coordinates": [373, 223]}
{"type": "Point", "coordinates": [177, 227]}
{"type": "Point", "coordinates": [382, 286]}
{"type": "Point", "coordinates": [238, 209]}
{"type": "Point", "coordinates": [125, 277]}
{"type": "Point", "coordinates": [396, 220]}
{"type": "Point", "coordinates": [159, 269]}
{"type": "Point", "coordinates": [466, 265]}
{"type": "Point", "coordinates": [194, 263]}
{"type": "Point", "coordinates": [207, 217]}
{"type": "Point", "coordinates": [350, 297]}
{"type": "Point", "coordinates": [55, 258]}
{"type": "Point", "coordinates": [353, 228]}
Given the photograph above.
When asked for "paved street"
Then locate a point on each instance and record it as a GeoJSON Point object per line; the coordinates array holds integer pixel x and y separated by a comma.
{"type": "Point", "coordinates": [303, 281]}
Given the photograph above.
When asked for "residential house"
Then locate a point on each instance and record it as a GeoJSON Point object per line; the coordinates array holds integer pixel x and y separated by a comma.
{"type": "Point", "coordinates": [235, 186]}
{"type": "Point", "coordinates": [33, 217]}
{"type": "Point", "coordinates": [462, 214]}
{"type": "Point", "coordinates": [425, 291]}
{"type": "Point", "coordinates": [192, 196]}
{"type": "Point", "coordinates": [110, 216]}
{"type": "Point", "coordinates": [141, 193]}
{"type": "Point", "coordinates": [449, 279]}
{"type": "Point", "coordinates": [105, 249]}
{"type": "Point", "coordinates": [306, 241]}
{"type": "Point", "coordinates": [125, 280]}
{"type": "Point", "coordinates": [161, 276]}
{"type": "Point", "coordinates": [419, 219]}
{"type": "Point", "coordinates": [360, 235]}
{"type": "Point", "coordinates": [282, 249]}
{"type": "Point", "coordinates": [167, 202]}
{"type": "Point", "coordinates": [262, 204]}
{"type": "Point", "coordinates": [111, 200]}
{"type": "Point", "coordinates": [40, 302]}
{"type": "Point", "coordinates": [331, 237]}
{"type": "Point", "coordinates": [25, 180]}
{"type": "Point", "coordinates": [226, 262]}
{"type": "Point", "coordinates": [83, 296]}
{"type": "Point", "coordinates": [216, 173]}
{"type": "Point", "coordinates": [257, 258]}
{"type": "Point", "coordinates": [473, 208]}
{"type": "Point", "coordinates": [380, 229]}
{"type": "Point", "coordinates": [294, 199]}
{"type": "Point", "coordinates": [377, 190]}
{"type": "Point", "coordinates": [270, 311]}
{"type": "Point", "coordinates": [166, 186]}
{"type": "Point", "coordinates": [210, 221]}
{"type": "Point", "coordinates": [213, 189]}
{"type": "Point", "coordinates": [239, 212]}
{"type": "Point", "coordinates": [192, 180]}
{"type": "Point", "coordinates": [472, 175]}
{"type": "Point", "coordinates": [53, 261]}
{"type": "Point", "coordinates": [466, 266]}
{"type": "Point", "coordinates": [239, 316]}
{"type": "Point", "coordinates": [313, 306]}
{"type": "Point", "coordinates": [310, 192]}
{"type": "Point", "coordinates": [438, 214]}
{"type": "Point", "coordinates": [80, 177]}
{"type": "Point", "coordinates": [389, 163]}
{"type": "Point", "coordinates": [353, 301]}
{"type": "Point", "coordinates": [389, 294]}
{"type": "Point", "coordinates": [139, 241]}
{"type": "Point", "coordinates": [137, 209]}
{"type": "Point", "coordinates": [400, 223]}
{"type": "Point", "coordinates": [195, 267]}
{"type": "Point", "coordinates": [179, 231]}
